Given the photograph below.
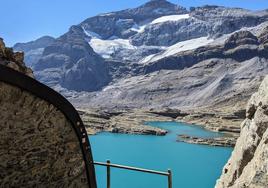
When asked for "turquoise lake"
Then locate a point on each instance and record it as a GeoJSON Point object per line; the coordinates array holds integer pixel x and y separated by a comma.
{"type": "Point", "coordinates": [193, 166]}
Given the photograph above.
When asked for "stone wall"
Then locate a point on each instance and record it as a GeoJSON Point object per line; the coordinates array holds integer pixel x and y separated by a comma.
{"type": "Point", "coordinates": [248, 165]}
{"type": "Point", "coordinates": [38, 146]}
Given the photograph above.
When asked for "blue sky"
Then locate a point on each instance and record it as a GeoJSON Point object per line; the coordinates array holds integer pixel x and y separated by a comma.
{"type": "Point", "coordinates": [25, 20]}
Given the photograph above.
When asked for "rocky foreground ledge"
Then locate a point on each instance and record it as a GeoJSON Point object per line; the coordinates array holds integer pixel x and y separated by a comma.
{"type": "Point", "coordinates": [248, 165]}
{"type": "Point", "coordinates": [13, 59]}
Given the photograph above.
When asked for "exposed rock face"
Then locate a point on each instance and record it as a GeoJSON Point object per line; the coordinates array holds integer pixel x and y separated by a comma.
{"type": "Point", "coordinates": [13, 60]}
{"type": "Point", "coordinates": [212, 21]}
{"type": "Point", "coordinates": [248, 165]}
{"type": "Point", "coordinates": [34, 49]}
{"type": "Point", "coordinates": [71, 62]}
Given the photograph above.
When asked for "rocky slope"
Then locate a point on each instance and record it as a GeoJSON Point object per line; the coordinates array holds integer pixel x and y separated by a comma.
{"type": "Point", "coordinates": [205, 77]}
{"type": "Point", "coordinates": [248, 165]}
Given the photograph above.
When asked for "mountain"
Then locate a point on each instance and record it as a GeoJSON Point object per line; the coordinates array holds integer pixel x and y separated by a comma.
{"type": "Point", "coordinates": [210, 76]}
{"type": "Point", "coordinates": [159, 55]}
{"type": "Point", "coordinates": [34, 49]}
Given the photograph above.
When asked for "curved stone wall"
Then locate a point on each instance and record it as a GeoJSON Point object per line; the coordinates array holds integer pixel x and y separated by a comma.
{"type": "Point", "coordinates": [38, 146]}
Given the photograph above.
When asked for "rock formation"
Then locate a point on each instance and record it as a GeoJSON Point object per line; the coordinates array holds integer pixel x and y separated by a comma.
{"type": "Point", "coordinates": [13, 60]}
{"type": "Point", "coordinates": [248, 165]}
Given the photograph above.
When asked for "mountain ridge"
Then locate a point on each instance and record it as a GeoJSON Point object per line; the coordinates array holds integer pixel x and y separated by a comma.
{"type": "Point", "coordinates": [96, 55]}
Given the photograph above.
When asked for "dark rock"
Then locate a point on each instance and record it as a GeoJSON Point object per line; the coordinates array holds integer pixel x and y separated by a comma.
{"type": "Point", "coordinates": [76, 62]}
{"type": "Point", "coordinates": [241, 38]}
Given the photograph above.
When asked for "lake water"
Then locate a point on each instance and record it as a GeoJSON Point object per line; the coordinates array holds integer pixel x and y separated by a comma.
{"type": "Point", "coordinates": [193, 166]}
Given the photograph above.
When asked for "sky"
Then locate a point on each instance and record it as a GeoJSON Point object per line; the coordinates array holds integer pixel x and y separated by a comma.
{"type": "Point", "coordinates": [26, 20]}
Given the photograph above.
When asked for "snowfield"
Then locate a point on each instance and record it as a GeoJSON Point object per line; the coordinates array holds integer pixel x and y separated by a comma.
{"type": "Point", "coordinates": [178, 47]}
{"type": "Point", "coordinates": [106, 48]}
{"type": "Point", "coordinates": [91, 33]}
{"type": "Point", "coordinates": [171, 18]}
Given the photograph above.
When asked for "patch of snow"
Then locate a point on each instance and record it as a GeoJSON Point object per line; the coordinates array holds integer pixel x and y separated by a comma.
{"type": "Point", "coordinates": [106, 48]}
{"type": "Point", "coordinates": [141, 28]}
{"type": "Point", "coordinates": [91, 33]}
{"type": "Point", "coordinates": [120, 21]}
{"type": "Point", "coordinates": [170, 18]}
{"type": "Point", "coordinates": [178, 47]}
{"type": "Point", "coordinates": [107, 14]}
{"type": "Point", "coordinates": [138, 28]}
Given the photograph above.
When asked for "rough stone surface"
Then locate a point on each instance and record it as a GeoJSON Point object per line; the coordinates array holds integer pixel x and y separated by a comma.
{"type": "Point", "coordinates": [248, 165]}
{"type": "Point", "coordinates": [13, 60]}
{"type": "Point", "coordinates": [38, 146]}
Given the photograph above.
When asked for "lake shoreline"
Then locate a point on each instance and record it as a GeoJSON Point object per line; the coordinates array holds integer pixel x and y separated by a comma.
{"type": "Point", "coordinates": [133, 122]}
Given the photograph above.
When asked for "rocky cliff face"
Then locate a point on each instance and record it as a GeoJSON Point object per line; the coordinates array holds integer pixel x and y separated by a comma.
{"type": "Point", "coordinates": [248, 165]}
{"type": "Point", "coordinates": [13, 60]}
{"type": "Point", "coordinates": [71, 62]}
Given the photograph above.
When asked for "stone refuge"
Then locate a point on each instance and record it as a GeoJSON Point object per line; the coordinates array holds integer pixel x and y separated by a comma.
{"type": "Point", "coordinates": [248, 165]}
{"type": "Point", "coordinates": [38, 145]}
